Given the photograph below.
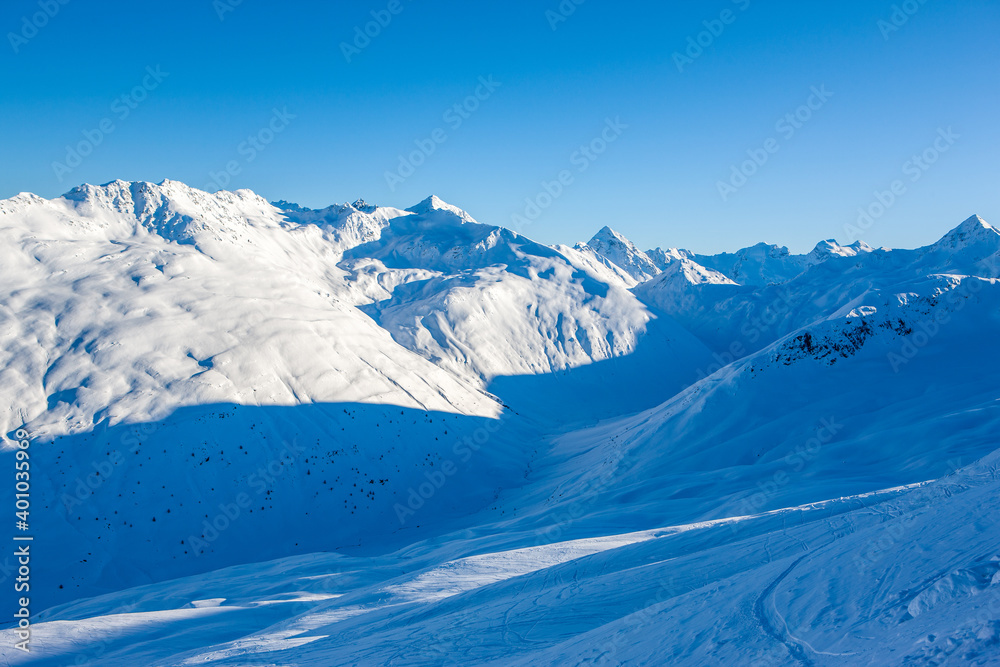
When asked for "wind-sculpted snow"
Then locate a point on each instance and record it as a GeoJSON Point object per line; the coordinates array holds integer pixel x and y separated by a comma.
{"type": "Point", "coordinates": [263, 434]}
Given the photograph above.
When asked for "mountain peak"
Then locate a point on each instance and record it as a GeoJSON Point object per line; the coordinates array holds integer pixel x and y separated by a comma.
{"type": "Point", "coordinates": [607, 234]}
{"type": "Point", "coordinates": [434, 204]}
{"type": "Point", "coordinates": [765, 249]}
{"type": "Point", "coordinates": [171, 209]}
{"type": "Point", "coordinates": [976, 224]}
{"type": "Point", "coordinates": [973, 231]}
{"type": "Point", "coordinates": [288, 206]}
{"type": "Point", "coordinates": [364, 206]}
{"type": "Point", "coordinates": [824, 250]}
{"type": "Point", "coordinates": [692, 273]}
{"type": "Point", "coordinates": [664, 258]}
{"type": "Point", "coordinates": [115, 190]}
{"type": "Point", "coordinates": [175, 185]}
{"type": "Point", "coordinates": [624, 253]}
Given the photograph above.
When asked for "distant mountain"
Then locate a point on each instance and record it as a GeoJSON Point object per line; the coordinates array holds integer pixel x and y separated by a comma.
{"type": "Point", "coordinates": [824, 250]}
{"type": "Point", "coordinates": [676, 284]}
{"type": "Point", "coordinates": [967, 248]}
{"type": "Point", "coordinates": [624, 253]}
{"type": "Point", "coordinates": [758, 266]}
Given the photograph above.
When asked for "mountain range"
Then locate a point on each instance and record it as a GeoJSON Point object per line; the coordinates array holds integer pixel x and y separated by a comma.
{"type": "Point", "coordinates": [264, 434]}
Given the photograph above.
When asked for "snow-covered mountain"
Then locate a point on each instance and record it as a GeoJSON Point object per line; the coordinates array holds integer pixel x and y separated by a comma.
{"type": "Point", "coordinates": [622, 252]}
{"type": "Point", "coordinates": [757, 266]}
{"type": "Point", "coordinates": [824, 250]}
{"type": "Point", "coordinates": [263, 434]}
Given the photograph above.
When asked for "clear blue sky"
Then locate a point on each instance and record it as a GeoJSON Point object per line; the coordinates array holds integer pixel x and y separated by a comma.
{"type": "Point", "coordinates": [657, 182]}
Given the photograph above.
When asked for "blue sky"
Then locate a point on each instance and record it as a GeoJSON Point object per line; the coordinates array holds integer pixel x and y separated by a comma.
{"type": "Point", "coordinates": [328, 123]}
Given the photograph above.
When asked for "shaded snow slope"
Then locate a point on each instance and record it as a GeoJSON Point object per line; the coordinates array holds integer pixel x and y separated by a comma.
{"type": "Point", "coordinates": [164, 345]}
{"type": "Point", "coordinates": [808, 585]}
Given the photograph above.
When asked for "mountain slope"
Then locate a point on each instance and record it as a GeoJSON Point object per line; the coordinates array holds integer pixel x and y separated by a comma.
{"type": "Point", "coordinates": [487, 301]}
{"type": "Point", "coordinates": [139, 299]}
{"type": "Point", "coordinates": [190, 340]}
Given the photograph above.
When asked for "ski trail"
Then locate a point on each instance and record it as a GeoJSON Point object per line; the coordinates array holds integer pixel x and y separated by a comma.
{"type": "Point", "coordinates": [795, 645]}
{"type": "Point", "coordinates": [795, 649]}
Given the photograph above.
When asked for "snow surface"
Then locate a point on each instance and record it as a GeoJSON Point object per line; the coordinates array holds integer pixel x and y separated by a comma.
{"type": "Point", "coordinates": [459, 446]}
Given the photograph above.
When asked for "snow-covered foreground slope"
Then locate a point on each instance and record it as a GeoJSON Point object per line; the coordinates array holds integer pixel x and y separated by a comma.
{"type": "Point", "coordinates": [369, 435]}
{"type": "Point", "coordinates": [902, 577]}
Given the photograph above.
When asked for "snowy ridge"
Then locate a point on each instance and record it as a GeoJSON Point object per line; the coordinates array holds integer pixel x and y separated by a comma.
{"type": "Point", "coordinates": [824, 250]}
{"type": "Point", "coordinates": [435, 206]}
{"type": "Point", "coordinates": [677, 282]}
{"type": "Point", "coordinates": [759, 265]}
{"type": "Point", "coordinates": [351, 224]}
{"type": "Point", "coordinates": [971, 248]}
{"type": "Point", "coordinates": [663, 258]}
